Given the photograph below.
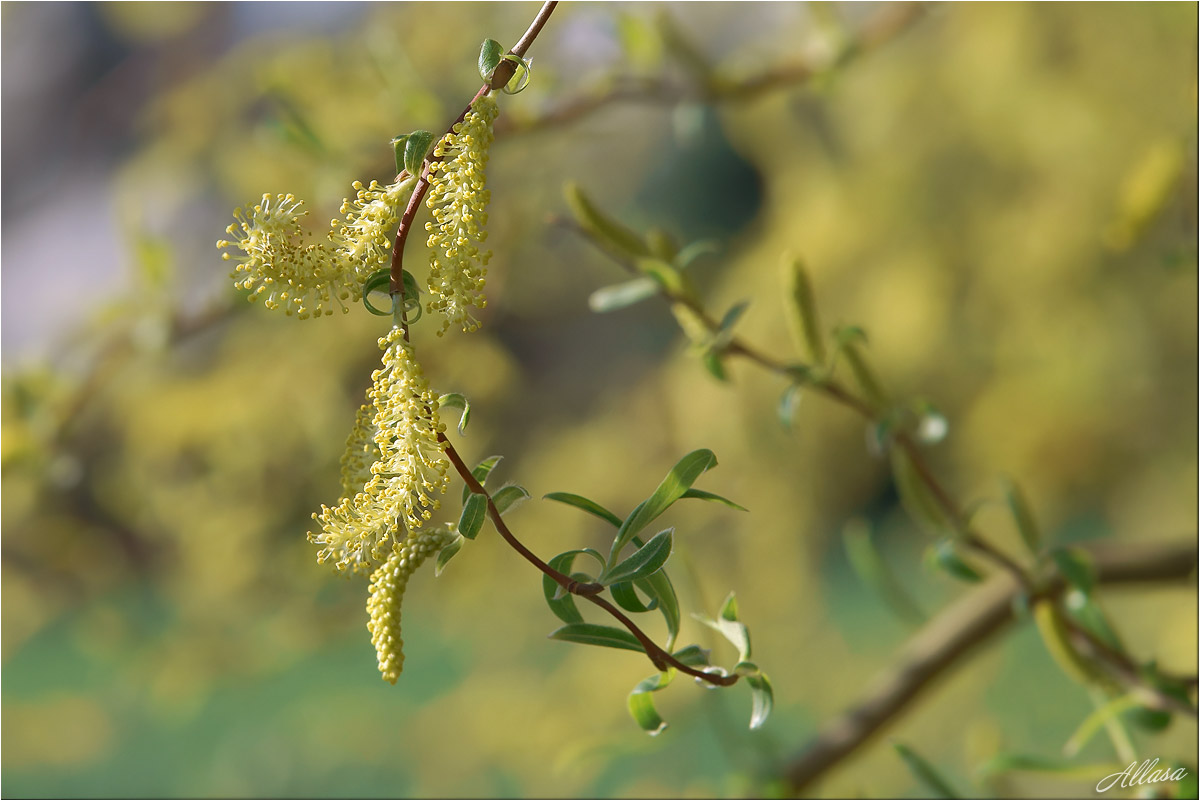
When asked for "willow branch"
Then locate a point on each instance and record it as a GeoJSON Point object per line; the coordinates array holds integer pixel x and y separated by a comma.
{"type": "Point", "coordinates": [661, 658]}
{"type": "Point", "coordinates": [504, 71]}
{"type": "Point", "coordinates": [954, 633]}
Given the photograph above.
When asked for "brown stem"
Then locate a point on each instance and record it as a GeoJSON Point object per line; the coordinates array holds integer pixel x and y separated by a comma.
{"type": "Point", "coordinates": [661, 658]}
{"type": "Point", "coordinates": [954, 633]}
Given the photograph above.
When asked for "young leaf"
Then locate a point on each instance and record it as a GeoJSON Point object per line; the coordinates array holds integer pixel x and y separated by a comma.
{"type": "Point", "coordinates": [763, 699]}
{"type": "Point", "coordinates": [662, 245]}
{"type": "Point", "coordinates": [618, 296]}
{"type": "Point", "coordinates": [788, 403]}
{"type": "Point", "coordinates": [713, 363]}
{"type": "Point", "coordinates": [473, 514]}
{"type": "Point", "coordinates": [694, 251]}
{"type": "Point", "coordinates": [693, 656]}
{"type": "Point", "coordinates": [1021, 513]}
{"type": "Point", "coordinates": [506, 497]}
{"type": "Point", "coordinates": [802, 310]}
{"type": "Point", "coordinates": [848, 339]}
{"type": "Point", "coordinates": [398, 144]}
{"type": "Point", "coordinates": [678, 481]}
{"type": "Point", "coordinates": [641, 705]}
{"type": "Point", "coordinates": [944, 556]}
{"type": "Point", "coordinates": [481, 473]}
{"type": "Point", "coordinates": [416, 148]}
{"type": "Point", "coordinates": [729, 627]}
{"type": "Point", "coordinates": [447, 553]}
{"type": "Point", "coordinates": [599, 225]}
{"type": "Point", "coordinates": [595, 634]}
{"type": "Point", "coordinates": [378, 281]}
{"type": "Point", "coordinates": [490, 53]}
{"type": "Point", "coordinates": [455, 400]}
{"type": "Point", "coordinates": [918, 500]}
{"type": "Point", "coordinates": [724, 332]}
{"type": "Point", "coordinates": [586, 504]}
{"type": "Point", "coordinates": [643, 562]}
{"type": "Point", "coordinates": [709, 496]}
{"type": "Point", "coordinates": [563, 606]}
{"type": "Point", "coordinates": [925, 773]}
{"type": "Point", "coordinates": [1076, 567]}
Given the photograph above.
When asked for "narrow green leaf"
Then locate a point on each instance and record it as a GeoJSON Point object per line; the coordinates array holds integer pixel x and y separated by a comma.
{"type": "Point", "coordinates": [678, 481]}
{"type": "Point", "coordinates": [456, 400]}
{"type": "Point", "coordinates": [944, 556]}
{"type": "Point", "coordinates": [481, 473]}
{"type": "Point", "coordinates": [447, 553]}
{"type": "Point", "coordinates": [641, 704]}
{"type": "Point", "coordinates": [1008, 763]}
{"type": "Point", "coordinates": [694, 251]}
{"type": "Point", "coordinates": [619, 296]}
{"type": "Point", "coordinates": [729, 627]}
{"type": "Point", "coordinates": [506, 497]}
{"type": "Point", "coordinates": [729, 609]}
{"type": "Point", "coordinates": [473, 514]}
{"type": "Point", "coordinates": [595, 634]}
{"type": "Point", "coordinates": [1023, 516]}
{"type": "Point", "coordinates": [625, 596]}
{"type": "Point", "coordinates": [875, 573]}
{"type": "Point", "coordinates": [587, 505]}
{"type": "Point", "coordinates": [925, 773]}
{"type": "Point", "coordinates": [660, 590]}
{"type": "Point", "coordinates": [918, 500]}
{"type": "Point", "coordinates": [378, 281]}
{"type": "Point", "coordinates": [763, 698]}
{"type": "Point", "coordinates": [398, 144]}
{"type": "Point", "coordinates": [724, 333]}
{"type": "Point", "coordinates": [1100, 717]}
{"type": "Point", "coordinates": [416, 148]}
{"type": "Point", "coordinates": [1076, 567]}
{"type": "Point", "coordinates": [643, 562]}
{"type": "Point", "coordinates": [662, 245]}
{"type": "Point", "coordinates": [693, 656]}
{"type": "Point", "coordinates": [601, 226]}
{"type": "Point", "coordinates": [789, 402]}
{"type": "Point", "coordinates": [710, 496]}
{"type": "Point", "coordinates": [802, 310]}
{"type": "Point", "coordinates": [563, 606]}
{"type": "Point", "coordinates": [714, 364]}
{"type": "Point", "coordinates": [490, 53]}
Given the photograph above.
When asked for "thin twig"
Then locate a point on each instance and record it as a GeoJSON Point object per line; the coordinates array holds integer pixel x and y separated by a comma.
{"type": "Point", "coordinates": [954, 633]}
{"type": "Point", "coordinates": [661, 658]}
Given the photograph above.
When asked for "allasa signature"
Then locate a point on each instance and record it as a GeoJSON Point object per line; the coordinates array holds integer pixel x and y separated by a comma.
{"type": "Point", "coordinates": [1135, 774]}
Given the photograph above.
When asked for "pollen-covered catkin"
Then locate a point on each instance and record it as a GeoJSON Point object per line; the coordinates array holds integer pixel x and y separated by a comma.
{"type": "Point", "coordinates": [458, 198]}
{"type": "Point", "coordinates": [388, 584]}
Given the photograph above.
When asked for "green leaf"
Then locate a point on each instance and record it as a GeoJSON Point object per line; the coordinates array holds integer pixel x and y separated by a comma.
{"type": "Point", "coordinates": [1007, 763]}
{"type": "Point", "coordinates": [763, 697]}
{"type": "Point", "coordinates": [849, 339]}
{"type": "Point", "coordinates": [714, 364]}
{"type": "Point", "coordinates": [481, 473]}
{"type": "Point", "coordinates": [694, 251]}
{"type": "Point", "coordinates": [564, 606]}
{"type": "Point", "coordinates": [1097, 720]}
{"type": "Point", "coordinates": [662, 245]}
{"type": "Point", "coordinates": [670, 279]}
{"type": "Point", "coordinates": [618, 296]}
{"type": "Point", "coordinates": [789, 401]}
{"type": "Point", "coordinates": [456, 400]}
{"type": "Point", "coordinates": [693, 656]}
{"type": "Point", "coordinates": [918, 500]}
{"type": "Point", "coordinates": [660, 590]}
{"type": "Point", "coordinates": [643, 562]}
{"type": "Point", "coordinates": [925, 773]}
{"type": "Point", "coordinates": [595, 634]}
{"type": "Point", "coordinates": [802, 310]}
{"type": "Point", "coordinates": [505, 497]}
{"type": "Point", "coordinates": [641, 705]}
{"type": "Point", "coordinates": [447, 553]}
{"type": "Point", "coordinates": [944, 556]}
{"type": "Point", "coordinates": [729, 627]}
{"type": "Point", "coordinates": [490, 53]}
{"type": "Point", "coordinates": [724, 333]}
{"type": "Point", "coordinates": [1026, 525]}
{"type": "Point", "coordinates": [875, 573]}
{"type": "Point", "coordinates": [416, 148]}
{"type": "Point", "coordinates": [398, 144]}
{"type": "Point", "coordinates": [1075, 565]}
{"type": "Point", "coordinates": [710, 496]}
{"type": "Point", "coordinates": [625, 596]}
{"type": "Point", "coordinates": [678, 481]}
{"type": "Point", "coordinates": [473, 514]}
{"type": "Point", "coordinates": [522, 74]}
{"type": "Point", "coordinates": [601, 226]}
{"type": "Point", "coordinates": [587, 505]}
{"type": "Point", "coordinates": [377, 281]}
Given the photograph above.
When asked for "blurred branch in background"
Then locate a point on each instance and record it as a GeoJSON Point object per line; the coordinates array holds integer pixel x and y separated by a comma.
{"type": "Point", "coordinates": [951, 637]}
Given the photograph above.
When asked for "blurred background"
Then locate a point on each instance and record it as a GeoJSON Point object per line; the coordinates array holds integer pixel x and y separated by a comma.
{"type": "Point", "coordinates": [1003, 196]}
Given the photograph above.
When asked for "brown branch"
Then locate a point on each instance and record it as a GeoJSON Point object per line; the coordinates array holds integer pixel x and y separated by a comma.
{"type": "Point", "coordinates": [953, 634]}
{"type": "Point", "coordinates": [661, 658]}
{"type": "Point", "coordinates": [878, 31]}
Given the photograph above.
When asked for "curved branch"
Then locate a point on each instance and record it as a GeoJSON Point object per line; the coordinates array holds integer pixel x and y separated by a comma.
{"type": "Point", "coordinates": [953, 634]}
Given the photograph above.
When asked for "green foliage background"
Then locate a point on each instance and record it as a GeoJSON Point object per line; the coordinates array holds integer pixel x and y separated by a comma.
{"type": "Point", "coordinates": [1004, 196]}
